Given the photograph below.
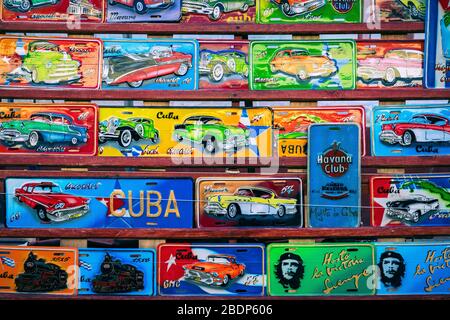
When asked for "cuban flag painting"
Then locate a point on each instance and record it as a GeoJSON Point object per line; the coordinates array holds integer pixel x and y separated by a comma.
{"type": "Point", "coordinates": [437, 44]}
{"type": "Point", "coordinates": [211, 270]}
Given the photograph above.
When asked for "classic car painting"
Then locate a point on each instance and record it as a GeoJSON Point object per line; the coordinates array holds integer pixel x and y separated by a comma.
{"type": "Point", "coordinates": [217, 270]}
{"type": "Point", "coordinates": [416, 8]}
{"type": "Point", "coordinates": [217, 65]}
{"type": "Point", "coordinates": [27, 5]}
{"type": "Point", "coordinates": [399, 10]}
{"type": "Point", "coordinates": [251, 201]}
{"type": "Point", "coordinates": [134, 69]}
{"type": "Point", "coordinates": [142, 6]}
{"type": "Point", "coordinates": [397, 64]}
{"type": "Point", "coordinates": [212, 134]}
{"type": "Point", "coordinates": [298, 7]}
{"type": "Point", "coordinates": [215, 8]}
{"type": "Point", "coordinates": [124, 131]}
{"type": "Point", "coordinates": [420, 128]}
{"type": "Point", "coordinates": [50, 203]}
{"type": "Point", "coordinates": [411, 208]}
{"type": "Point", "coordinates": [302, 64]}
{"type": "Point", "coordinates": [43, 128]}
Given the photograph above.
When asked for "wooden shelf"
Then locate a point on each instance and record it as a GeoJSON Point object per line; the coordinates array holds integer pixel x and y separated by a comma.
{"type": "Point", "coordinates": [227, 233]}
{"type": "Point", "coordinates": [220, 28]}
{"type": "Point", "coordinates": [236, 95]}
{"type": "Point", "coordinates": [167, 162]}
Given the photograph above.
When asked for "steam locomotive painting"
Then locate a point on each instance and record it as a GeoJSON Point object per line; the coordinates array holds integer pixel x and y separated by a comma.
{"type": "Point", "coordinates": [116, 271]}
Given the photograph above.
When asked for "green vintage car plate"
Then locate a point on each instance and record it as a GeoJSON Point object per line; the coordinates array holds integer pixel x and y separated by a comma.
{"type": "Point", "coordinates": [345, 269]}
{"type": "Point", "coordinates": [303, 65]}
{"type": "Point", "coordinates": [312, 11]}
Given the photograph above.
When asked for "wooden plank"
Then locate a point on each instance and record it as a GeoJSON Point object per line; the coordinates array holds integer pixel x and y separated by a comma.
{"type": "Point", "coordinates": [73, 243]}
{"type": "Point", "coordinates": [151, 244]}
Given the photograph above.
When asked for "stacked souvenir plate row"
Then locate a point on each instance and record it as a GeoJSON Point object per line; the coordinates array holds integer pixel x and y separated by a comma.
{"type": "Point", "coordinates": [343, 269]}
{"type": "Point", "coordinates": [211, 11]}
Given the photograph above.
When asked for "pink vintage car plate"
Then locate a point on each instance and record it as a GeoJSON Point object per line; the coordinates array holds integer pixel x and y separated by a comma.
{"type": "Point", "coordinates": [211, 269]}
{"type": "Point", "coordinates": [411, 130]}
{"type": "Point", "coordinates": [59, 129]}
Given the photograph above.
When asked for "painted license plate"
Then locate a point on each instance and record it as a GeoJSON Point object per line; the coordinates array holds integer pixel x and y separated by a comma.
{"type": "Point", "coordinates": [413, 268]}
{"type": "Point", "coordinates": [411, 131]}
{"type": "Point", "coordinates": [117, 271]}
{"type": "Point", "coordinates": [50, 62]}
{"type": "Point", "coordinates": [437, 45]}
{"type": "Point", "coordinates": [225, 270]}
{"type": "Point", "coordinates": [302, 65]}
{"type": "Point", "coordinates": [185, 132]}
{"type": "Point", "coordinates": [293, 123]}
{"type": "Point", "coordinates": [215, 11]}
{"type": "Point", "coordinates": [399, 10]}
{"type": "Point", "coordinates": [411, 200]}
{"type": "Point", "coordinates": [143, 11]}
{"type": "Point", "coordinates": [387, 64]}
{"type": "Point", "coordinates": [315, 11]}
{"type": "Point", "coordinates": [150, 64]}
{"type": "Point", "coordinates": [223, 64]}
{"type": "Point", "coordinates": [42, 270]}
{"type": "Point", "coordinates": [249, 202]}
{"type": "Point", "coordinates": [48, 129]}
{"type": "Point", "coordinates": [320, 270]}
{"type": "Point", "coordinates": [334, 162]}
{"type": "Point", "coordinates": [72, 12]}
{"type": "Point", "coordinates": [99, 203]}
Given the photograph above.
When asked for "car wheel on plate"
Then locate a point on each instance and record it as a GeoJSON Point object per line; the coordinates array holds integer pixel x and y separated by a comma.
{"type": "Point", "coordinates": [286, 8]}
{"type": "Point", "coordinates": [74, 140]}
{"type": "Point", "coordinates": [225, 280]}
{"type": "Point", "coordinates": [42, 214]}
{"type": "Point", "coordinates": [231, 65]}
{"type": "Point", "coordinates": [135, 84]}
{"type": "Point", "coordinates": [233, 210]}
{"type": "Point", "coordinates": [33, 140]}
{"type": "Point", "coordinates": [125, 138]}
{"type": "Point", "coordinates": [140, 130]}
{"type": "Point", "coordinates": [217, 72]}
{"type": "Point", "coordinates": [244, 7]}
{"type": "Point", "coordinates": [302, 75]}
{"type": "Point", "coordinates": [34, 76]}
{"type": "Point", "coordinates": [407, 138]}
{"type": "Point", "coordinates": [182, 70]}
{"type": "Point", "coordinates": [139, 6]}
{"type": "Point", "coordinates": [416, 216]}
{"type": "Point", "coordinates": [281, 211]}
{"type": "Point", "coordinates": [216, 13]}
{"type": "Point", "coordinates": [413, 10]}
{"type": "Point", "coordinates": [210, 144]}
{"type": "Point", "coordinates": [390, 78]}
{"type": "Point", "coordinates": [155, 138]}
{"type": "Point", "coordinates": [25, 5]}
{"type": "Point", "coordinates": [178, 138]}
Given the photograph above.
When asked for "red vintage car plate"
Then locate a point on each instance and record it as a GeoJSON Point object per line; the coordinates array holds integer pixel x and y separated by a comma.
{"type": "Point", "coordinates": [42, 270]}
{"type": "Point", "coordinates": [211, 269]}
{"type": "Point", "coordinates": [41, 62]}
{"type": "Point", "coordinates": [57, 129]}
{"type": "Point", "coordinates": [249, 202]}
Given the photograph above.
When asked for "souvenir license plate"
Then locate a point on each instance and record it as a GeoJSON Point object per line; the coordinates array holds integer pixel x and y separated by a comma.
{"type": "Point", "coordinates": [334, 175]}
{"type": "Point", "coordinates": [293, 123]}
{"type": "Point", "coordinates": [99, 203]}
{"type": "Point", "coordinates": [38, 270]}
{"type": "Point", "coordinates": [387, 64]}
{"type": "Point", "coordinates": [72, 12]}
{"type": "Point", "coordinates": [320, 270]}
{"type": "Point", "coordinates": [302, 65]}
{"type": "Point", "coordinates": [413, 200]}
{"type": "Point", "coordinates": [411, 131]}
{"type": "Point", "coordinates": [50, 62]}
{"type": "Point", "coordinates": [185, 132]}
{"type": "Point", "coordinates": [437, 45]}
{"type": "Point", "coordinates": [321, 11]}
{"type": "Point", "coordinates": [414, 268]}
{"type": "Point", "coordinates": [215, 11]}
{"type": "Point", "coordinates": [117, 271]}
{"type": "Point", "coordinates": [191, 269]}
{"type": "Point", "coordinates": [400, 10]}
{"type": "Point", "coordinates": [150, 64]}
{"type": "Point", "coordinates": [143, 11]}
{"type": "Point", "coordinates": [48, 129]}
{"type": "Point", "coordinates": [223, 65]}
{"type": "Point", "coordinates": [249, 202]}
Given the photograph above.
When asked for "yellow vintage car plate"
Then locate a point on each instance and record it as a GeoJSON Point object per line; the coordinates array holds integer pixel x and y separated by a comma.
{"type": "Point", "coordinates": [185, 132]}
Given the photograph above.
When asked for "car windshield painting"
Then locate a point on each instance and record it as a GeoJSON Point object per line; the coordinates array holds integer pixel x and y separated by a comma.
{"type": "Point", "coordinates": [46, 189]}
{"type": "Point", "coordinates": [220, 260]}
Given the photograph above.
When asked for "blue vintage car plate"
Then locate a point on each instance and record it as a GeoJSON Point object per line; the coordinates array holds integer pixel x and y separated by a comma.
{"type": "Point", "coordinates": [211, 269]}
{"type": "Point", "coordinates": [334, 175]}
{"type": "Point", "coordinates": [150, 64]}
{"type": "Point", "coordinates": [411, 131]}
{"type": "Point", "coordinates": [410, 200]}
{"type": "Point", "coordinates": [437, 45]}
{"type": "Point", "coordinates": [99, 203]}
{"type": "Point", "coordinates": [419, 268]}
{"type": "Point", "coordinates": [143, 11]}
{"type": "Point", "coordinates": [117, 271]}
